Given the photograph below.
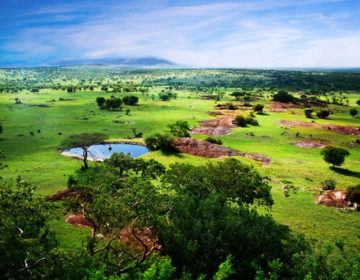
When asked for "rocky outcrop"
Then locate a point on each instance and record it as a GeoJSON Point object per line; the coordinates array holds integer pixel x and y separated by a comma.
{"type": "Point", "coordinates": [335, 198]}
{"type": "Point", "coordinates": [210, 150]}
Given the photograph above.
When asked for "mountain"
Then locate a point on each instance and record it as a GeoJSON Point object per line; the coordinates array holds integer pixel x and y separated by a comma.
{"type": "Point", "coordinates": [147, 62]}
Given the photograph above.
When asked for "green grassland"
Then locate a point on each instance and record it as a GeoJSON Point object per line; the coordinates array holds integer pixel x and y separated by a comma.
{"type": "Point", "coordinates": [36, 158]}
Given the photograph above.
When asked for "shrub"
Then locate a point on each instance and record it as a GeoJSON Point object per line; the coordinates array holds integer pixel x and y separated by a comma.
{"type": "Point", "coordinates": [308, 113]}
{"type": "Point", "coordinates": [353, 194]}
{"type": "Point", "coordinates": [230, 106]}
{"type": "Point", "coordinates": [179, 129]}
{"type": "Point", "coordinates": [163, 142]}
{"type": "Point", "coordinates": [323, 114]}
{"type": "Point", "coordinates": [100, 101]}
{"type": "Point", "coordinates": [353, 112]}
{"type": "Point", "coordinates": [240, 121]}
{"type": "Point", "coordinates": [251, 121]}
{"type": "Point", "coordinates": [334, 155]}
{"type": "Point", "coordinates": [283, 96]}
{"type": "Point", "coordinates": [328, 185]}
{"type": "Point", "coordinates": [358, 102]}
{"type": "Point", "coordinates": [214, 140]}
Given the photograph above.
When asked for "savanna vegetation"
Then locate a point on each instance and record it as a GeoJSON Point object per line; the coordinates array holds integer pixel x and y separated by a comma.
{"type": "Point", "coordinates": [170, 214]}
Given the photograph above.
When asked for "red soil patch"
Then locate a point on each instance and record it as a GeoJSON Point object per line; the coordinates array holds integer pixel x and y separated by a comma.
{"type": "Point", "coordinates": [335, 198]}
{"type": "Point", "coordinates": [341, 129]}
{"type": "Point", "coordinates": [215, 127]}
{"type": "Point", "coordinates": [63, 194]}
{"type": "Point", "coordinates": [78, 221]}
{"type": "Point", "coordinates": [210, 150]}
{"type": "Point", "coordinates": [309, 144]}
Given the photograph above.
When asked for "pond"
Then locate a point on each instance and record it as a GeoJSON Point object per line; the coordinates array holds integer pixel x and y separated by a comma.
{"type": "Point", "coordinates": [103, 151]}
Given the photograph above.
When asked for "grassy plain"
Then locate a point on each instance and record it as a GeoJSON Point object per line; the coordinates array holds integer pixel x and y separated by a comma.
{"type": "Point", "coordinates": [36, 158]}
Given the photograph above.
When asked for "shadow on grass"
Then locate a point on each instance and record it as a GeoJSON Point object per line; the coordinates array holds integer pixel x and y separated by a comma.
{"type": "Point", "coordinates": [346, 172]}
{"type": "Point", "coordinates": [175, 154]}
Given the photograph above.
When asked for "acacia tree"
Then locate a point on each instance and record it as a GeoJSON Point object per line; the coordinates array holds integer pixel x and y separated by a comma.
{"type": "Point", "coordinates": [83, 141]}
{"type": "Point", "coordinates": [258, 108]}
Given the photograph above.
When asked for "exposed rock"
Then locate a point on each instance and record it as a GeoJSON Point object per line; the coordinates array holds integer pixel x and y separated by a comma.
{"type": "Point", "coordinates": [216, 127]}
{"type": "Point", "coordinates": [63, 194]}
{"type": "Point", "coordinates": [341, 129]}
{"type": "Point", "coordinates": [210, 150]}
{"type": "Point", "coordinates": [309, 144]}
{"type": "Point", "coordinates": [78, 221]}
{"type": "Point", "coordinates": [335, 198]}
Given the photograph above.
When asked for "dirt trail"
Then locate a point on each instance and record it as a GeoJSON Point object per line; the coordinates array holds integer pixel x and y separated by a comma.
{"type": "Point", "coordinates": [280, 107]}
{"type": "Point", "coordinates": [216, 127]}
{"type": "Point", "coordinates": [209, 150]}
{"type": "Point", "coordinates": [341, 129]}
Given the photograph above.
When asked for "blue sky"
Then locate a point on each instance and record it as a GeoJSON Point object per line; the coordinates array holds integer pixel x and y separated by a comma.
{"type": "Point", "coordinates": [257, 33]}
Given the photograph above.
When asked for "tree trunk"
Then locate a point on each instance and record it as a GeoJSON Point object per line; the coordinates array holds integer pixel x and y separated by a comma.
{"type": "Point", "coordinates": [85, 156]}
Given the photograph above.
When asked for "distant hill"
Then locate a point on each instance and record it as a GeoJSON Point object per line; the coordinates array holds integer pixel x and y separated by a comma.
{"type": "Point", "coordinates": [147, 62]}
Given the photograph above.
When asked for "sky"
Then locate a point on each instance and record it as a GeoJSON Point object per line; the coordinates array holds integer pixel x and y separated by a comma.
{"type": "Point", "coordinates": [243, 33]}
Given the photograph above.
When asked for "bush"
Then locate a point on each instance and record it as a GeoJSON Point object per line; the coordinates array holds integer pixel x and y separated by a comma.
{"type": "Point", "coordinates": [130, 100]}
{"type": "Point", "coordinates": [283, 96]}
{"type": "Point", "coordinates": [100, 101]}
{"type": "Point", "coordinates": [334, 155]}
{"type": "Point", "coordinates": [179, 129]}
{"type": "Point", "coordinates": [308, 113]}
{"type": "Point", "coordinates": [353, 194]}
{"type": "Point", "coordinates": [353, 112]}
{"type": "Point", "coordinates": [230, 106]}
{"type": "Point", "coordinates": [214, 140]}
{"type": "Point", "coordinates": [328, 185]}
{"type": "Point", "coordinates": [240, 121]}
{"type": "Point", "coordinates": [251, 121]}
{"type": "Point", "coordinates": [358, 102]}
{"type": "Point", "coordinates": [323, 114]}
{"type": "Point", "coordinates": [163, 142]}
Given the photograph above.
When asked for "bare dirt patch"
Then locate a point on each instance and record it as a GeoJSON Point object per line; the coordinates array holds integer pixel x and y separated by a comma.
{"type": "Point", "coordinates": [309, 144]}
{"type": "Point", "coordinates": [210, 150]}
{"type": "Point", "coordinates": [280, 107]}
{"type": "Point", "coordinates": [216, 127]}
{"type": "Point", "coordinates": [341, 129]}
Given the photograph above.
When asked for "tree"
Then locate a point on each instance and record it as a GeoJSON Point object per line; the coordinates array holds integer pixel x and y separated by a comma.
{"type": "Point", "coordinates": [358, 102]}
{"type": "Point", "coordinates": [179, 129]}
{"type": "Point", "coordinates": [334, 155]}
{"type": "Point", "coordinates": [100, 101]}
{"type": "Point", "coordinates": [130, 100]}
{"type": "Point", "coordinates": [1, 128]}
{"type": "Point", "coordinates": [238, 94]}
{"type": "Point", "coordinates": [232, 180]}
{"type": "Point", "coordinates": [84, 141]}
{"type": "Point", "coordinates": [283, 96]}
{"type": "Point", "coordinates": [26, 242]}
{"type": "Point", "coordinates": [308, 113]}
{"type": "Point", "coordinates": [258, 108]}
{"type": "Point", "coordinates": [113, 103]}
{"type": "Point", "coordinates": [353, 112]}
{"type": "Point", "coordinates": [323, 114]}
